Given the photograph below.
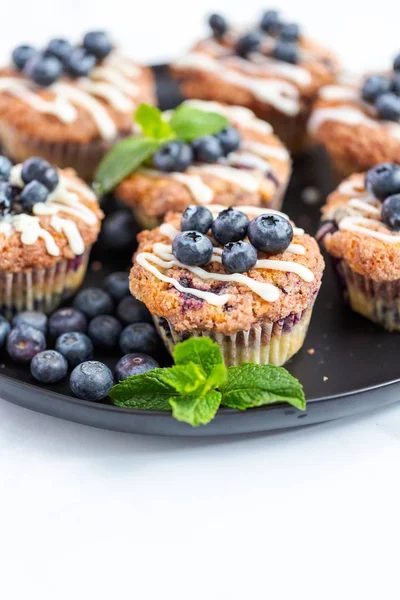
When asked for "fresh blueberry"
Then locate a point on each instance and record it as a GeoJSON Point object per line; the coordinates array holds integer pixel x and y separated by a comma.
{"type": "Point", "coordinates": [38, 169]}
{"type": "Point", "coordinates": [374, 86]}
{"type": "Point", "coordinates": [218, 24]}
{"type": "Point", "coordinates": [396, 83]}
{"type": "Point", "coordinates": [391, 212]}
{"type": "Point", "coordinates": [130, 310]}
{"type": "Point", "coordinates": [34, 318]}
{"type": "Point", "coordinates": [33, 193]}
{"type": "Point", "coordinates": [230, 226]}
{"type": "Point", "coordinates": [134, 364]}
{"type": "Point", "coordinates": [383, 180]}
{"type": "Point", "coordinates": [197, 218]}
{"type": "Point", "coordinates": [139, 337]}
{"type": "Point", "coordinates": [207, 149]}
{"type": "Point", "coordinates": [286, 51]}
{"type": "Point", "coordinates": [104, 331]}
{"type": "Point", "coordinates": [239, 257]}
{"type": "Point", "coordinates": [75, 346]}
{"type": "Point", "coordinates": [98, 43]}
{"type": "Point", "coordinates": [93, 302]}
{"type": "Point", "coordinates": [290, 32]}
{"type": "Point", "coordinates": [117, 284]}
{"type": "Point", "coordinates": [5, 329]}
{"type": "Point", "coordinates": [21, 55]}
{"type": "Point", "coordinates": [91, 380]}
{"type": "Point", "coordinates": [65, 320]}
{"type": "Point", "coordinates": [192, 248]}
{"type": "Point", "coordinates": [388, 107]}
{"type": "Point", "coordinates": [49, 366]}
{"type": "Point", "coordinates": [43, 70]}
{"type": "Point", "coordinates": [119, 231]}
{"type": "Point", "coordinates": [229, 139]}
{"type": "Point", "coordinates": [271, 234]}
{"type": "Point", "coordinates": [174, 156]}
{"type": "Point", "coordinates": [248, 43]}
{"type": "Point", "coordinates": [5, 168]}
{"type": "Point", "coordinates": [5, 198]}
{"type": "Point", "coordinates": [270, 22]}
{"type": "Point", "coordinates": [24, 342]}
{"type": "Point", "coordinates": [396, 63]}
{"type": "Point", "coordinates": [58, 47]}
{"type": "Point", "coordinates": [79, 62]}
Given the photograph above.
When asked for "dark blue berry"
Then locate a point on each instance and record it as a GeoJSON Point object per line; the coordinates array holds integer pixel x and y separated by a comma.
{"type": "Point", "coordinates": [43, 70]}
{"type": "Point", "coordinates": [218, 24]}
{"type": "Point", "coordinates": [117, 284]}
{"type": "Point", "coordinates": [197, 218]}
{"type": "Point", "coordinates": [248, 43]}
{"type": "Point", "coordinates": [383, 180]}
{"type": "Point", "coordinates": [286, 51]}
{"type": "Point", "coordinates": [396, 63]}
{"type": "Point", "coordinates": [374, 86]}
{"type": "Point", "coordinates": [130, 310]}
{"type": "Point", "coordinates": [207, 149]}
{"type": "Point", "coordinates": [5, 329]}
{"type": "Point", "coordinates": [290, 32]}
{"type": "Point", "coordinates": [98, 43]}
{"type": "Point", "coordinates": [396, 83]}
{"type": "Point", "coordinates": [67, 319]}
{"type": "Point", "coordinates": [91, 380]}
{"type": "Point", "coordinates": [119, 231]}
{"type": "Point", "coordinates": [230, 226]}
{"type": "Point", "coordinates": [192, 248]}
{"type": "Point", "coordinates": [49, 366]}
{"type": "Point", "coordinates": [139, 337]}
{"type": "Point", "coordinates": [58, 47]}
{"type": "Point", "coordinates": [104, 331]}
{"type": "Point", "coordinates": [239, 257]}
{"type": "Point", "coordinates": [24, 342]}
{"type": "Point", "coordinates": [5, 168]}
{"type": "Point", "coordinates": [270, 22]}
{"type": "Point", "coordinates": [21, 55]}
{"type": "Point", "coordinates": [174, 156]}
{"type": "Point", "coordinates": [34, 318]}
{"type": "Point", "coordinates": [75, 346]}
{"type": "Point", "coordinates": [79, 62]}
{"type": "Point", "coordinates": [33, 193]}
{"type": "Point", "coordinates": [38, 169]}
{"type": "Point", "coordinates": [93, 302]}
{"type": "Point", "coordinates": [229, 139]}
{"type": "Point", "coordinates": [388, 107]}
{"type": "Point", "coordinates": [270, 234]}
{"type": "Point", "coordinates": [134, 364]}
{"type": "Point", "coordinates": [391, 212]}
{"type": "Point", "coordinates": [5, 198]}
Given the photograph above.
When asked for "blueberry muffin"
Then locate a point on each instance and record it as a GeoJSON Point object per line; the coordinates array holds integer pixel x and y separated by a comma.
{"type": "Point", "coordinates": [245, 277]}
{"type": "Point", "coordinates": [358, 121]}
{"type": "Point", "coordinates": [49, 220]}
{"type": "Point", "coordinates": [69, 104]}
{"type": "Point", "coordinates": [272, 68]}
{"type": "Point", "coordinates": [361, 231]}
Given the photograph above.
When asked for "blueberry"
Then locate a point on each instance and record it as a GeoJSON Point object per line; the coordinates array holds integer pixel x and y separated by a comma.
{"type": "Point", "coordinates": [207, 149]}
{"type": "Point", "coordinates": [49, 366]}
{"type": "Point", "coordinates": [104, 331]}
{"type": "Point", "coordinates": [396, 63]}
{"type": "Point", "coordinates": [24, 342]}
{"type": "Point", "coordinates": [119, 231]}
{"type": "Point", "coordinates": [98, 43]}
{"type": "Point", "coordinates": [134, 364]}
{"type": "Point", "coordinates": [130, 310]}
{"type": "Point", "coordinates": [5, 329]}
{"type": "Point", "coordinates": [383, 180]}
{"type": "Point", "coordinates": [192, 248]}
{"type": "Point", "coordinates": [396, 84]}
{"type": "Point", "coordinates": [248, 43]}
{"type": "Point", "coordinates": [238, 257]}
{"type": "Point", "coordinates": [271, 234]}
{"type": "Point", "coordinates": [21, 55]}
{"type": "Point", "coordinates": [5, 198]}
{"type": "Point", "coordinates": [5, 168]}
{"type": "Point", "coordinates": [197, 218]}
{"type": "Point", "coordinates": [93, 302]}
{"type": "Point", "coordinates": [270, 22]}
{"type": "Point", "coordinates": [43, 70]}
{"type": "Point", "coordinates": [75, 346]}
{"type": "Point", "coordinates": [174, 156]}
{"type": "Point", "coordinates": [58, 47]}
{"type": "Point", "coordinates": [79, 62]}
{"type": "Point", "coordinates": [374, 86]}
{"type": "Point", "coordinates": [391, 212]}
{"type": "Point", "coordinates": [91, 380]}
{"type": "Point", "coordinates": [286, 51]}
{"type": "Point", "coordinates": [230, 226]}
{"type": "Point", "coordinates": [139, 337]}
{"type": "Point", "coordinates": [388, 107]}
{"type": "Point", "coordinates": [229, 139]}
{"type": "Point", "coordinates": [117, 284]}
{"type": "Point", "coordinates": [218, 24]}
{"type": "Point", "coordinates": [64, 320]}
{"type": "Point", "coordinates": [33, 193]}
{"type": "Point", "coordinates": [38, 169]}
{"type": "Point", "coordinates": [290, 32]}
{"type": "Point", "coordinates": [34, 318]}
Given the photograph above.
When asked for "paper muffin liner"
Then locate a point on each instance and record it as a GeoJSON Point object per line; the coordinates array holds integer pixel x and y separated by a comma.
{"type": "Point", "coordinates": [41, 289]}
{"type": "Point", "coordinates": [266, 343]}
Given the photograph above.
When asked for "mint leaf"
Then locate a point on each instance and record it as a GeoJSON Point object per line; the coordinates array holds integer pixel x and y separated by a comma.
{"type": "Point", "coordinates": [147, 391]}
{"type": "Point", "coordinates": [123, 158]}
{"type": "Point", "coordinates": [152, 123]}
{"type": "Point", "coordinates": [190, 123]}
{"type": "Point", "coordinates": [253, 385]}
{"type": "Point", "coordinates": [199, 350]}
{"type": "Point", "coordinates": [196, 410]}
{"type": "Point", "coordinates": [186, 379]}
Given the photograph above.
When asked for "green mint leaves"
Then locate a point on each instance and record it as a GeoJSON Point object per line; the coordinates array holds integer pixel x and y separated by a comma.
{"type": "Point", "coordinates": [199, 384]}
{"type": "Point", "coordinates": [186, 123]}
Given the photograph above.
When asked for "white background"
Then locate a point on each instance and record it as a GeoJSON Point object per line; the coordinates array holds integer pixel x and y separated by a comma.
{"type": "Point", "coordinates": [312, 513]}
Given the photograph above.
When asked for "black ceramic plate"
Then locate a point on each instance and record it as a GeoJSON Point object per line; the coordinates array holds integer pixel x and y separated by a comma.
{"type": "Point", "coordinates": [352, 368]}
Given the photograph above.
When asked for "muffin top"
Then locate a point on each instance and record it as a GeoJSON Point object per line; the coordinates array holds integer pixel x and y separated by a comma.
{"type": "Point", "coordinates": [361, 223]}
{"type": "Point", "coordinates": [269, 271]}
{"type": "Point", "coordinates": [77, 94]}
{"type": "Point", "coordinates": [46, 215]}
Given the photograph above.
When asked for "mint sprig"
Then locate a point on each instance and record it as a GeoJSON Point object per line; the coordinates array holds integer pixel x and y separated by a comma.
{"type": "Point", "coordinates": [199, 383]}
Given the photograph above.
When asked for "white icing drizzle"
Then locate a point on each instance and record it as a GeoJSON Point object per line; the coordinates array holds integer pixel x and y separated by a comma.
{"type": "Point", "coordinates": [248, 160]}
{"type": "Point", "coordinates": [71, 232]}
{"type": "Point", "coordinates": [201, 192]}
{"type": "Point", "coordinates": [270, 66]}
{"type": "Point", "coordinates": [123, 64]}
{"type": "Point", "coordinates": [338, 92]}
{"type": "Point", "coordinates": [30, 230]}
{"type": "Point", "coordinates": [355, 224]}
{"type": "Point", "coordinates": [241, 178]}
{"type": "Point", "coordinates": [238, 114]}
{"type": "Point", "coordinates": [365, 206]}
{"type": "Point", "coordinates": [267, 151]}
{"type": "Point", "coordinates": [117, 79]}
{"type": "Point", "coordinates": [108, 92]}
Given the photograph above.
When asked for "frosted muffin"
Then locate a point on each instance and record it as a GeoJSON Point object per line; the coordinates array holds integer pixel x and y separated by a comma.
{"type": "Point", "coordinates": [252, 291]}
{"type": "Point", "coordinates": [49, 220]}
{"type": "Point", "coordinates": [272, 68]}
{"type": "Point", "coordinates": [361, 231]}
{"type": "Point", "coordinates": [69, 104]}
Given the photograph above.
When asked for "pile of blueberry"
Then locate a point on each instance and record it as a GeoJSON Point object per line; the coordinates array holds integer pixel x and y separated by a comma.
{"type": "Point", "coordinates": [383, 91]}
{"type": "Point", "coordinates": [60, 57]}
{"type": "Point", "coordinates": [286, 34]}
{"type": "Point", "coordinates": [100, 319]}
{"type": "Point", "coordinates": [40, 179]}
{"type": "Point", "coordinates": [178, 156]}
{"type": "Point", "coordinates": [270, 234]}
{"type": "Point", "coordinates": [383, 181]}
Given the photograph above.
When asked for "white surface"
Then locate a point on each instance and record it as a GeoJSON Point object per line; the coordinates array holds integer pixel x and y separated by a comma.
{"type": "Point", "coordinates": [311, 513]}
